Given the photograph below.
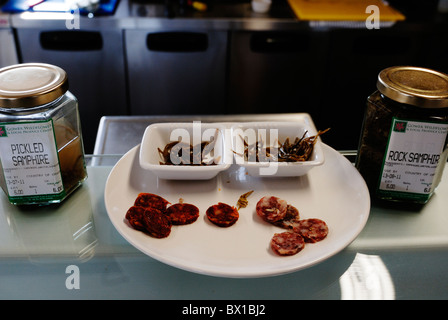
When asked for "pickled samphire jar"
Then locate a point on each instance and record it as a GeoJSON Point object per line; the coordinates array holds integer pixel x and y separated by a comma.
{"type": "Point", "coordinates": [403, 144]}
{"type": "Point", "coordinates": [41, 148]}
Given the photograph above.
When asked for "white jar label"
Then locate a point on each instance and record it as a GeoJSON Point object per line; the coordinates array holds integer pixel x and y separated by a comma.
{"type": "Point", "coordinates": [30, 162]}
{"type": "Point", "coordinates": [413, 155]}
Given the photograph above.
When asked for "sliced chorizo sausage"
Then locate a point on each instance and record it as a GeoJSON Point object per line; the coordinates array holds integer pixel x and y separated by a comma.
{"type": "Point", "coordinates": [157, 224]}
{"type": "Point", "coordinates": [149, 200]}
{"type": "Point", "coordinates": [222, 214]}
{"type": "Point", "coordinates": [182, 213]}
{"type": "Point", "coordinates": [134, 215]}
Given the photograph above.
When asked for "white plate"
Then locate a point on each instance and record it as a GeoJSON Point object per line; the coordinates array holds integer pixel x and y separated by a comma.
{"type": "Point", "coordinates": [269, 134]}
{"type": "Point", "coordinates": [334, 192]}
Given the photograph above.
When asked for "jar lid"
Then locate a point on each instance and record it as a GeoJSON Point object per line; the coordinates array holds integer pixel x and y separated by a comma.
{"type": "Point", "coordinates": [420, 87]}
{"type": "Point", "coordinates": [28, 85]}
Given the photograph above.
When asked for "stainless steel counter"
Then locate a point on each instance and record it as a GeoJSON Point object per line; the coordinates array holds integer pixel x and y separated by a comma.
{"type": "Point", "coordinates": [8, 54]}
{"type": "Point", "coordinates": [222, 15]}
{"type": "Point", "coordinates": [118, 134]}
{"type": "Point", "coordinates": [226, 15]}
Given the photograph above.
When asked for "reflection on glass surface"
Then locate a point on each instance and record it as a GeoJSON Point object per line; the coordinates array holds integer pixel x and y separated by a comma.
{"type": "Point", "coordinates": [65, 229]}
{"type": "Point", "coordinates": [96, 160]}
{"type": "Point", "coordinates": [86, 236]}
{"type": "Point", "coordinates": [367, 279]}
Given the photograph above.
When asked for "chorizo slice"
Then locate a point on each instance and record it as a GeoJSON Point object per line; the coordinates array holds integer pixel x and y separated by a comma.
{"type": "Point", "coordinates": [222, 214]}
{"type": "Point", "coordinates": [271, 209]}
{"type": "Point", "coordinates": [287, 243]}
{"type": "Point", "coordinates": [134, 215]}
{"type": "Point", "coordinates": [157, 224]}
{"type": "Point", "coordinates": [290, 220]}
{"type": "Point", "coordinates": [149, 200]}
{"type": "Point", "coordinates": [312, 230]}
{"type": "Point", "coordinates": [182, 213]}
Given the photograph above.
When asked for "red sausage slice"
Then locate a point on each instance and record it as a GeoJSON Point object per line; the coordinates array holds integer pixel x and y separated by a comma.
{"type": "Point", "coordinates": [312, 230]}
{"type": "Point", "coordinates": [149, 200]}
{"type": "Point", "coordinates": [287, 243]}
{"type": "Point", "coordinates": [156, 223]}
{"type": "Point", "coordinates": [182, 213]}
{"type": "Point", "coordinates": [271, 209]}
{"type": "Point", "coordinates": [135, 217]}
{"type": "Point", "coordinates": [222, 215]}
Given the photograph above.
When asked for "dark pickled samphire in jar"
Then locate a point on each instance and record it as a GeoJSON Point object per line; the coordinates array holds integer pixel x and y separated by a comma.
{"type": "Point", "coordinates": [376, 129]}
{"type": "Point", "coordinates": [71, 157]}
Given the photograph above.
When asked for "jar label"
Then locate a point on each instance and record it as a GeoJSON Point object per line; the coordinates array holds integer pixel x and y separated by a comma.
{"type": "Point", "coordinates": [30, 162]}
{"type": "Point", "coordinates": [412, 157]}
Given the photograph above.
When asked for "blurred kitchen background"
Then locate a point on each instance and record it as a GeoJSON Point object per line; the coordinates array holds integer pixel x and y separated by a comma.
{"type": "Point", "coordinates": [176, 57]}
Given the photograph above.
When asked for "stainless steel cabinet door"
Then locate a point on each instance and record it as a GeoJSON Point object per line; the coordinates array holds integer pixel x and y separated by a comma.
{"type": "Point", "coordinates": [94, 62]}
{"type": "Point", "coordinates": [275, 71]}
{"type": "Point", "coordinates": [176, 72]}
{"type": "Point", "coordinates": [8, 53]}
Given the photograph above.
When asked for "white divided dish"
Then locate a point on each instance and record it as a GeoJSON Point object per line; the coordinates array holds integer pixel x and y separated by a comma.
{"type": "Point", "coordinates": [228, 148]}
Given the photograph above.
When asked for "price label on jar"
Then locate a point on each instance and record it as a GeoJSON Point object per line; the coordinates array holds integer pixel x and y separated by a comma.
{"type": "Point", "coordinates": [412, 156]}
{"type": "Point", "coordinates": [30, 161]}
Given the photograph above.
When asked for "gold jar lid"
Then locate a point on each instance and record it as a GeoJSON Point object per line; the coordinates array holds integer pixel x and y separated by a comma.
{"type": "Point", "coordinates": [28, 85]}
{"type": "Point", "coordinates": [420, 87]}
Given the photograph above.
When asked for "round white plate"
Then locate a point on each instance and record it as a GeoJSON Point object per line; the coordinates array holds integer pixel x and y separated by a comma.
{"type": "Point", "coordinates": [334, 192]}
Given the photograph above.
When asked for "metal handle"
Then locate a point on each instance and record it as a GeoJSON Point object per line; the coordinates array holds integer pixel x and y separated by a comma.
{"type": "Point", "coordinates": [71, 40]}
{"type": "Point", "coordinates": [177, 41]}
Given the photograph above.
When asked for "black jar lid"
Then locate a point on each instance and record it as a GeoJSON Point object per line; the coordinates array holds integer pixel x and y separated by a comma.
{"type": "Point", "coordinates": [28, 85]}
{"type": "Point", "coordinates": [420, 87]}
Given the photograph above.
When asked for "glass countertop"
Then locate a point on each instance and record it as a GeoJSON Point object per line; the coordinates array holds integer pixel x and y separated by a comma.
{"type": "Point", "coordinates": [73, 251]}
{"type": "Point", "coordinates": [400, 254]}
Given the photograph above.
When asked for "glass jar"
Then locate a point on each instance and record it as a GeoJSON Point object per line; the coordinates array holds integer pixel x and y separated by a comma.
{"type": "Point", "coordinates": [41, 148]}
{"type": "Point", "coordinates": [403, 144]}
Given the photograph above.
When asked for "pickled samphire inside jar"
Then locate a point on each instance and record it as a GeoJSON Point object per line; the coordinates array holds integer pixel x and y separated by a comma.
{"type": "Point", "coordinates": [36, 95]}
{"type": "Point", "coordinates": [403, 146]}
